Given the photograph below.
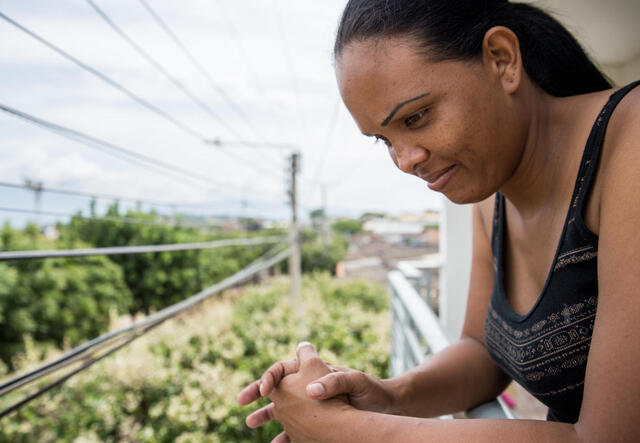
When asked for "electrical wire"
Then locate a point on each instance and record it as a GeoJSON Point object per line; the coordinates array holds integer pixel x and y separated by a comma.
{"type": "Point", "coordinates": [153, 62]}
{"type": "Point", "coordinates": [153, 108]}
{"type": "Point", "coordinates": [204, 73]}
{"type": "Point", "coordinates": [132, 95]}
{"type": "Point", "coordinates": [237, 39]}
{"type": "Point", "coordinates": [97, 195]}
{"type": "Point", "coordinates": [125, 220]}
{"type": "Point", "coordinates": [289, 64]}
{"type": "Point", "coordinates": [138, 249]}
{"type": "Point", "coordinates": [194, 61]}
{"type": "Point", "coordinates": [117, 151]}
{"type": "Point", "coordinates": [327, 142]}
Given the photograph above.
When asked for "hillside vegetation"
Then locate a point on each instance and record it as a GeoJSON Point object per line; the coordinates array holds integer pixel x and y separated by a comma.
{"type": "Point", "coordinates": [179, 382]}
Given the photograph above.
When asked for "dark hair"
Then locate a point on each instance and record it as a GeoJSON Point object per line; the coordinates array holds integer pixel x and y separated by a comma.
{"type": "Point", "coordinates": [455, 29]}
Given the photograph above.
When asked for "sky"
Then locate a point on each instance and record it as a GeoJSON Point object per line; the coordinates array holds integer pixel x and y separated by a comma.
{"type": "Point", "coordinates": [262, 73]}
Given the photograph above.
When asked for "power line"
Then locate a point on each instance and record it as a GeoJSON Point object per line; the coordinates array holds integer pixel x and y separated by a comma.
{"type": "Point", "coordinates": [86, 352]}
{"type": "Point", "coordinates": [105, 78]}
{"type": "Point", "coordinates": [145, 55]}
{"type": "Point", "coordinates": [289, 63]}
{"type": "Point", "coordinates": [256, 145]}
{"type": "Point", "coordinates": [115, 150]}
{"type": "Point", "coordinates": [327, 142]}
{"type": "Point", "coordinates": [194, 61]}
{"type": "Point", "coordinates": [97, 195]}
{"type": "Point", "coordinates": [138, 249]}
{"type": "Point", "coordinates": [129, 93]}
{"type": "Point", "coordinates": [237, 39]}
{"type": "Point", "coordinates": [126, 220]}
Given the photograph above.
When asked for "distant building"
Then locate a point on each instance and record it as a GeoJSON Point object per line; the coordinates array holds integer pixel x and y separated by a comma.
{"type": "Point", "coordinates": [414, 233]}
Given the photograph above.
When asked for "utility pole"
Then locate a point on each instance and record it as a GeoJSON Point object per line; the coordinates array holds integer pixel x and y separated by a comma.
{"type": "Point", "coordinates": [37, 188]}
{"type": "Point", "coordinates": [295, 261]}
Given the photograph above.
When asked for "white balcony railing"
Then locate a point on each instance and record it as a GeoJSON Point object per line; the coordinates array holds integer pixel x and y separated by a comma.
{"type": "Point", "coordinates": [416, 331]}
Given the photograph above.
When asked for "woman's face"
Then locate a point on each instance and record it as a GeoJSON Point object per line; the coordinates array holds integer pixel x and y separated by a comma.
{"type": "Point", "coordinates": [449, 123]}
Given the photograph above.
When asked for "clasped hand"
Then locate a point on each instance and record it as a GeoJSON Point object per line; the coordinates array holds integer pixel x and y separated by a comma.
{"type": "Point", "coordinates": [309, 387]}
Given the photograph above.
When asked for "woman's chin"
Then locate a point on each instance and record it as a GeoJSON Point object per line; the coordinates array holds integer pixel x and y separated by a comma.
{"type": "Point", "coordinates": [465, 196]}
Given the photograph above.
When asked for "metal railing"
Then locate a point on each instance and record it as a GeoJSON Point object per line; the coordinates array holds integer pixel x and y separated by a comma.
{"type": "Point", "coordinates": [416, 333]}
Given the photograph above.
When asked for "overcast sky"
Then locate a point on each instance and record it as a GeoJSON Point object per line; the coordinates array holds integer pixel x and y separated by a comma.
{"type": "Point", "coordinates": [272, 60]}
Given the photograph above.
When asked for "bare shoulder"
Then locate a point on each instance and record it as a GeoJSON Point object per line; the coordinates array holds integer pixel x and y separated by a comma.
{"type": "Point", "coordinates": [624, 126]}
{"type": "Point", "coordinates": [621, 151]}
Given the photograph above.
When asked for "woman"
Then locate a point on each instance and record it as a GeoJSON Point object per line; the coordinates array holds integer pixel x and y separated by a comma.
{"type": "Point", "coordinates": [495, 104]}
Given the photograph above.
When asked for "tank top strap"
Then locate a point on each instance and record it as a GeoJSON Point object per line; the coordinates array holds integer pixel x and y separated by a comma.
{"type": "Point", "coordinates": [589, 163]}
{"type": "Point", "coordinates": [497, 225]}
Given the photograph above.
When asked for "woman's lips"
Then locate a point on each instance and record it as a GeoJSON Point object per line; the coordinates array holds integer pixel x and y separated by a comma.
{"type": "Point", "coordinates": [438, 181]}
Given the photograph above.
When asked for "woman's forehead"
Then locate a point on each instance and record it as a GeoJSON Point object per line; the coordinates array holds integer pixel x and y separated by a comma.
{"type": "Point", "coordinates": [377, 75]}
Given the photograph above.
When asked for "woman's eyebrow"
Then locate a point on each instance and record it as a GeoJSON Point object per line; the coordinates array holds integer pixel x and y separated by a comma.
{"type": "Point", "coordinates": [386, 121]}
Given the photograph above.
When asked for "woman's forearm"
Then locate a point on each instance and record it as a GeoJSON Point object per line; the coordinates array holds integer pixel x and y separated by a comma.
{"type": "Point", "coordinates": [363, 426]}
{"type": "Point", "coordinates": [456, 379]}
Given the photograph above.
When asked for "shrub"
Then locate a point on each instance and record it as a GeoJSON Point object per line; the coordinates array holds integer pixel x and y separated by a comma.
{"type": "Point", "coordinates": [179, 383]}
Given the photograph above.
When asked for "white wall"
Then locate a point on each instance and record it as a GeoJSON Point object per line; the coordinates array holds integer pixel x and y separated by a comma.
{"type": "Point", "coordinates": [455, 249]}
{"type": "Point", "coordinates": [625, 73]}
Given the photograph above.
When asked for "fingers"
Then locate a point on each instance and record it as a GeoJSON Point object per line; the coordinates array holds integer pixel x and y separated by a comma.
{"type": "Point", "coordinates": [334, 384]}
{"type": "Point", "coordinates": [306, 352]}
{"type": "Point", "coordinates": [249, 394]}
{"type": "Point", "coordinates": [274, 374]}
{"type": "Point", "coordinates": [281, 438]}
{"type": "Point", "coordinates": [270, 379]}
{"type": "Point", "coordinates": [261, 416]}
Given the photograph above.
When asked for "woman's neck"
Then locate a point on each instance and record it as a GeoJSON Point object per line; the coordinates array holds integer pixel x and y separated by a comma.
{"type": "Point", "coordinates": [543, 164]}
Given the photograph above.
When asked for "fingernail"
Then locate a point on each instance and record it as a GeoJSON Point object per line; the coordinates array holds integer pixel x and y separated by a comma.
{"type": "Point", "coordinates": [260, 388]}
{"type": "Point", "coordinates": [315, 389]}
{"type": "Point", "coordinates": [303, 343]}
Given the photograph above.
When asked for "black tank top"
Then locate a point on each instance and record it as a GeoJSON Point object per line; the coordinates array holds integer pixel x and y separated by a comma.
{"type": "Point", "coordinates": [546, 350]}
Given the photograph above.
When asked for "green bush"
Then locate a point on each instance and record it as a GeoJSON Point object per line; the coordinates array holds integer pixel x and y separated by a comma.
{"type": "Point", "coordinates": [59, 301]}
{"type": "Point", "coordinates": [318, 257]}
{"type": "Point", "coordinates": [69, 300]}
{"type": "Point", "coordinates": [179, 383]}
{"type": "Point", "coordinates": [157, 280]}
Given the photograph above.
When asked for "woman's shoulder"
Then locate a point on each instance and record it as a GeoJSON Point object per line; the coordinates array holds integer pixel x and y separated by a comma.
{"type": "Point", "coordinates": [622, 140]}
{"type": "Point", "coordinates": [620, 157]}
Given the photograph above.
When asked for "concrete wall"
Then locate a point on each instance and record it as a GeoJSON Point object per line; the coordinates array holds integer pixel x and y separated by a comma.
{"type": "Point", "coordinates": [624, 73]}
{"type": "Point", "coordinates": [455, 249]}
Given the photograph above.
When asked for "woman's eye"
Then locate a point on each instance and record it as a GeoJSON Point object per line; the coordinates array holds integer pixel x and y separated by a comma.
{"type": "Point", "coordinates": [415, 118]}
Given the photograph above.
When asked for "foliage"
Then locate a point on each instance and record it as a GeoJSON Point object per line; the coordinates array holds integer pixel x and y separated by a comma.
{"type": "Point", "coordinates": [347, 226]}
{"type": "Point", "coordinates": [70, 300]}
{"type": "Point", "coordinates": [55, 301]}
{"type": "Point", "coordinates": [157, 280]}
{"type": "Point", "coordinates": [180, 382]}
{"type": "Point", "coordinates": [318, 257]}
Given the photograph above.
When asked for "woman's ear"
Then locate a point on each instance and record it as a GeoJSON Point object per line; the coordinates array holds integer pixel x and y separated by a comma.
{"type": "Point", "coordinates": [501, 54]}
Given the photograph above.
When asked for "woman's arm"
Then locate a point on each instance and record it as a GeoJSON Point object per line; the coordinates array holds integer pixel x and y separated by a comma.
{"type": "Point", "coordinates": [334, 420]}
{"type": "Point", "coordinates": [463, 375]}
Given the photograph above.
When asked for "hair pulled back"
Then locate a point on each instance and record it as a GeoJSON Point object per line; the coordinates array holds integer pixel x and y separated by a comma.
{"type": "Point", "coordinates": [455, 29]}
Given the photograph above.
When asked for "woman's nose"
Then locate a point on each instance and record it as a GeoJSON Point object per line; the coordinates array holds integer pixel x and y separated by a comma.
{"type": "Point", "coordinates": [407, 156]}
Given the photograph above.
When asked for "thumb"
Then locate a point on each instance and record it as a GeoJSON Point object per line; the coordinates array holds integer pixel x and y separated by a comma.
{"type": "Point", "coordinates": [336, 383]}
